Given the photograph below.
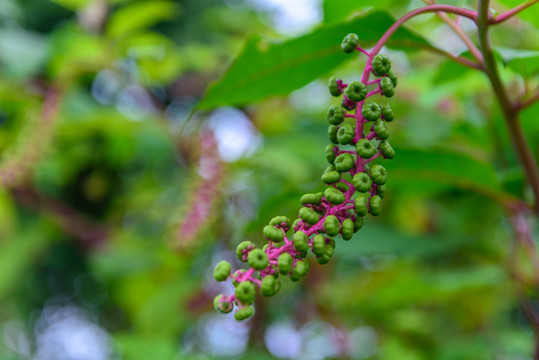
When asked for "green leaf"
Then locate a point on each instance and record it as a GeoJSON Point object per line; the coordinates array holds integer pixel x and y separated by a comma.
{"type": "Point", "coordinates": [523, 62]}
{"type": "Point", "coordinates": [265, 69]}
{"type": "Point", "coordinates": [337, 10]}
{"type": "Point", "coordinates": [451, 70]}
{"type": "Point", "coordinates": [140, 15]}
{"type": "Point", "coordinates": [72, 4]}
{"type": "Point", "coordinates": [530, 14]}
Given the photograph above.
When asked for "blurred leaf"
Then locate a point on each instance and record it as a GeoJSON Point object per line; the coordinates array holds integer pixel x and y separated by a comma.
{"type": "Point", "coordinates": [140, 15]}
{"type": "Point", "coordinates": [22, 52]}
{"type": "Point", "coordinates": [72, 4]}
{"type": "Point", "coordinates": [336, 10]}
{"type": "Point", "coordinates": [531, 14]}
{"type": "Point", "coordinates": [523, 62]}
{"type": "Point", "coordinates": [264, 68]}
{"type": "Point", "coordinates": [136, 347]}
{"type": "Point", "coordinates": [451, 70]}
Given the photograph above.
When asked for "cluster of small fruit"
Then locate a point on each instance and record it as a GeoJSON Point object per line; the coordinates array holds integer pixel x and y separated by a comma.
{"type": "Point", "coordinates": [354, 189]}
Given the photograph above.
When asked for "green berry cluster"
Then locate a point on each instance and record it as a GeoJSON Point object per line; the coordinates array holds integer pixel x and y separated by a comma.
{"type": "Point", "coordinates": [353, 190]}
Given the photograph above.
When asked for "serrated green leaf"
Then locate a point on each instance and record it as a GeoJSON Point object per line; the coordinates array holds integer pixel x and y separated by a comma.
{"type": "Point", "coordinates": [265, 69]}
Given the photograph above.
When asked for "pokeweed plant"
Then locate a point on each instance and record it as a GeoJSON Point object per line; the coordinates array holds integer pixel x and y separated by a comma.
{"type": "Point", "coordinates": [359, 135]}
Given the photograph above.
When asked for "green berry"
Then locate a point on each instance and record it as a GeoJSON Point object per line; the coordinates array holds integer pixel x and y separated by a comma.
{"type": "Point", "coordinates": [237, 274]}
{"type": "Point", "coordinates": [332, 134]}
{"type": "Point", "coordinates": [393, 76]}
{"type": "Point", "coordinates": [345, 134]}
{"type": "Point", "coordinates": [331, 177]}
{"type": "Point", "coordinates": [221, 305]}
{"type": "Point", "coordinates": [313, 199]}
{"type": "Point", "coordinates": [381, 130]}
{"type": "Point", "coordinates": [334, 86]}
{"type": "Point", "coordinates": [245, 292]}
{"type": "Point", "coordinates": [284, 263]}
{"type": "Point", "coordinates": [296, 222]}
{"type": "Point", "coordinates": [375, 205]}
{"type": "Point", "coordinates": [365, 148]}
{"type": "Point", "coordinates": [344, 162]}
{"type": "Point", "coordinates": [222, 270]}
{"type": "Point", "coordinates": [387, 112]}
{"type": "Point", "coordinates": [362, 182]}
{"type": "Point", "coordinates": [388, 90]}
{"type": "Point", "coordinates": [347, 229]}
{"type": "Point", "coordinates": [308, 215]}
{"type": "Point", "coordinates": [342, 187]}
{"type": "Point", "coordinates": [301, 242]}
{"type": "Point", "coordinates": [381, 65]}
{"type": "Point", "coordinates": [324, 259]}
{"type": "Point", "coordinates": [244, 245]}
{"type": "Point", "coordinates": [330, 154]}
{"type": "Point", "coordinates": [332, 225]}
{"type": "Point", "coordinates": [349, 43]}
{"type": "Point", "coordinates": [299, 271]}
{"type": "Point", "coordinates": [269, 286]}
{"type": "Point", "coordinates": [279, 220]}
{"type": "Point", "coordinates": [387, 149]}
{"type": "Point", "coordinates": [356, 91]}
{"type": "Point", "coordinates": [319, 245]}
{"type": "Point", "coordinates": [381, 190]}
{"type": "Point", "coordinates": [273, 234]}
{"type": "Point", "coordinates": [334, 196]}
{"type": "Point", "coordinates": [371, 111]}
{"type": "Point", "coordinates": [379, 174]}
{"type": "Point", "coordinates": [358, 223]}
{"type": "Point", "coordinates": [244, 313]}
{"type": "Point", "coordinates": [360, 206]}
{"type": "Point", "coordinates": [335, 114]}
{"type": "Point", "coordinates": [258, 259]}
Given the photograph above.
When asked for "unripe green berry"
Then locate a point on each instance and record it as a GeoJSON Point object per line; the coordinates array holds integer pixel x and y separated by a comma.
{"type": "Point", "coordinates": [331, 177]}
{"type": "Point", "coordinates": [319, 245]}
{"type": "Point", "coordinates": [269, 286]}
{"type": "Point", "coordinates": [332, 134]}
{"type": "Point", "coordinates": [279, 220]}
{"type": "Point", "coordinates": [332, 225]}
{"type": "Point", "coordinates": [387, 112]}
{"type": "Point", "coordinates": [296, 222]}
{"type": "Point", "coordinates": [324, 259]}
{"type": "Point", "coordinates": [245, 292]}
{"type": "Point", "coordinates": [345, 134]}
{"type": "Point", "coordinates": [365, 148]}
{"type": "Point", "coordinates": [379, 174]}
{"type": "Point", "coordinates": [330, 154]}
{"type": "Point", "coordinates": [393, 76]}
{"type": "Point", "coordinates": [356, 91]}
{"type": "Point", "coordinates": [387, 149]}
{"type": "Point", "coordinates": [360, 206]}
{"type": "Point", "coordinates": [301, 242]}
{"type": "Point", "coordinates": [381, 130]}
{"type": "Point", "coordinates": [308, 215]}
{"type": "Point", "coordinates": [371, 111]}
{"type": "Point", "coordinates": [388, 90]}
{"type": "Point", "coordinates": [344, 162]}
{"type": "Point", "coordinates": [347, 229]}
{"type": "Point", "coordinates": [334, 196]}
{"type": "Point", "coordinates": [258, 259]}
{"type": "Point", "coordinates": [299, 271]}
{"type": "Point", "coordinates": [381, 64]}
{"type": "Point", "coordinates": [273, 234]}
{"type": "Point", "coordinates": [244, 245]}
{"type": "Point", "coordinates": [375, 205]}
{"type": "Point", "coordinates": [222, 306]}
{"type": "Point", "coordinates": [222, 270]}
{"type": "Point", "coordinates": [334, 86]}
{"type": "Point", "coordinates": [335, 114]}
{"type": "Point", "coordinates": [349, 43]}
{"type": "Point", "coordinates": [313, 199]}
{"type": "Point", "coordinates": [244, 313]}
{"type": "Point", "coordinates": [284, 263]}
{"type": "Point", "coordinates": [362, 182]}
{"type": "Point", "coordinates": [358, 223]}
{"type": "Point", "coordinates": [381, 190]}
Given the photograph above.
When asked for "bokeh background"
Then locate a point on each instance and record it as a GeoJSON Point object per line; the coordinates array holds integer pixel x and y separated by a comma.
{"type": "Point", "coordinates": [120, 191]}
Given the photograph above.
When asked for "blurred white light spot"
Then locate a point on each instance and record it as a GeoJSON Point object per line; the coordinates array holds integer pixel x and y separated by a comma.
{"type": "Point", "coordinates": [283, 340]}
{"type": "Point", "coordinates": [67, 333]}
{"type": "Point", "coordinates": [235, 134]}
{"type": "Point", "coordinates": [222, 335]}
{"type": "Point", "coordinates": [319, 338]}
{"type": "Point", "coordinates": [105, 86]}
{"type": "Point", "coordinates": [362, 342]}
{"type": "Point", "coordinates": [134, 102]}
{"type": "Point", "coordinates": [291, 17]}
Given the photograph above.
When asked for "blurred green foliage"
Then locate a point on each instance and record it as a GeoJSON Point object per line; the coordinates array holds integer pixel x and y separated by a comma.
{"type": "Point", "coordinates": [101, 156]}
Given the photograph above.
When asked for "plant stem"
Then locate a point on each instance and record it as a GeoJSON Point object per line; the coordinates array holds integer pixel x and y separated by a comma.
{"type": "Point", "coordinates": [529, 101]}
{"type": "Point", "coordinates": [509, 110]}
{"type": "Point", "coordinates": [512, 12]}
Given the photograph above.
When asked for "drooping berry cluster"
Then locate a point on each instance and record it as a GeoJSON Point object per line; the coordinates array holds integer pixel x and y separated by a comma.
{"type": "Point", "coordinates": [354, 189]}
